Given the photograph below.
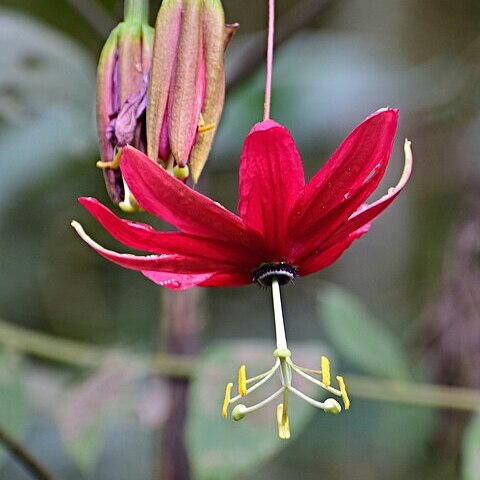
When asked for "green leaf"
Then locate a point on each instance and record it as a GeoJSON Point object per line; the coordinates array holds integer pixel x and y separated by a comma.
{"type": "Point", "coordinates": [359, 337]}
{"type": "Point", "coordinates": [221, 448]}
{"type": "Point", "coordinates": [471, 450]}
{"type": "Point", "coordinates": [14, 406]}
{"type": "Point", "coordinates": [84, 448]}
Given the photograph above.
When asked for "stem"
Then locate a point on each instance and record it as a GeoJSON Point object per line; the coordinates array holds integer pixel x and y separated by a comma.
{"type": "Point", "coordinates": [136, 11]}
{"type": "Point", "coordinates": [277, 312]}
{"type": "Point", "coordinates": [23, 456]}
{"type": "Point", "coordinates": [268, 81]}
{"type": "Point", "coordinates": [47, 347]}
{"type": "Point", "coordinates": [298, 17]}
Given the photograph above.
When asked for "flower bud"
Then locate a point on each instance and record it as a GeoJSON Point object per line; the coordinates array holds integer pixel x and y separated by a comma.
{"type": "Point", "coordinates": [187, 82]}
{"type": "Point", "coordinates": [122, 84]}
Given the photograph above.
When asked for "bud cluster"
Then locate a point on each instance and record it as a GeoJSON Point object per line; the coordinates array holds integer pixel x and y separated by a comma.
{"type": "Point", "coordinates": [162, 90]}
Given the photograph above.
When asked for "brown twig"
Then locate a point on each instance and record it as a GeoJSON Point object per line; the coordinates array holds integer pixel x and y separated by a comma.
{"type": "Point", "coordinates": [181, 324]}
{"type": "Point", "coordinates": [24, 457]}
{"type": "Point", "coordinates": [297, 18]}
{"type": "Point", "coordinates": [96, 16]}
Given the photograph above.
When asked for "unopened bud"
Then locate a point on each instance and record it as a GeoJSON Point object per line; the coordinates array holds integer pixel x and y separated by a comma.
{"type": "Point", "coordinates": [122, 84]}
{"type": "Point", "coordinates": [187, 82]}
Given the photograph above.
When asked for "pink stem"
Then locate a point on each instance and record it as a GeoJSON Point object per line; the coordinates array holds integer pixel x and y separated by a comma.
{"type": "Point", "coordinates": [268, 82]}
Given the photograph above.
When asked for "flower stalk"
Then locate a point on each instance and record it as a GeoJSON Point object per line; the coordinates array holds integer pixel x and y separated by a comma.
{"type": "Point", "coordinates": [270, 42]}
{"type": "Point", "coordinates": [136, 11]}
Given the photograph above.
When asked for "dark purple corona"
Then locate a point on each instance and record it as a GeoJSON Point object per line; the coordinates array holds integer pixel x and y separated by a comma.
{"type": "Point", "coordinates": [284, 272]}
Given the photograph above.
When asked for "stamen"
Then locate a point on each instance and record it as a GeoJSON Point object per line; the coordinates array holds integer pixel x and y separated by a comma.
{"type": "Point", "coordinates": [330, 405]}
{"type": "Point", "coordinates": [203, 127]}
{"type": "Point", "coordinates": [242, 380]}
{"type": "Point", "coordinates": [325, 371]}
{"type": "Point", "coordinates": [206, 128]}
{"type": "Point", "coordinates": [262, 378]}
{"type": "Point", "coordinates": [114, 164]}
{"type": "Point", "coordinates": [226, 400]}
{"type": "Point", "coordinates": [302, 373]}
{"type": "Point", "coordinates": [283, 423]}
{"type": "Point", "coordinates": [343, 390]}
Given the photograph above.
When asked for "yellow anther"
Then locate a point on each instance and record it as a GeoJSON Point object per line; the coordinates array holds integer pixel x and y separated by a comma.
{"type": "Point", "coordinates": [343, 390]}
{"type": "Point", "coordinates": [203, 127]}
{"type": "Point", "coordinates": [114, 164]}
{"type": "Point", "coordinates": [283, 423]}
{"type": "Point", "coordinates": [325, 370]}
{"type": "Point", "coordinates": [206, 128]}
{"type": "Point", "coordinates": [242, 380]}
{"type": "Point", "coordinates": [226, 400]}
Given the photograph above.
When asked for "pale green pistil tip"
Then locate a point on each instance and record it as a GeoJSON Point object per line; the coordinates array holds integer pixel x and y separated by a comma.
{"type": "Point", "coordinates": [239, 412]}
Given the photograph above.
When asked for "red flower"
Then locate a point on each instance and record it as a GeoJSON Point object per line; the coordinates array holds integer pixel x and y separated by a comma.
{"type": "Point", "coordinates": [285, 228]}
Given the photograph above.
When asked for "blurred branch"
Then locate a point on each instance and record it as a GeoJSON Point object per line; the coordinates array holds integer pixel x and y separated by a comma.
{"type": "Point", "coordinates": [179, 366]}
{"type": "Point", "coordinates": [298, 17]}
{"type": "Point", "coordinates": [180, 321]}
{"type": "Point", "coordinates": [412, 393]}
{"type": "Point", "coordinates": [86, 355]}
{"type": "Point", "coordinates": [95, 15]}
{"type": "Point", "coordinates": [24, 457]}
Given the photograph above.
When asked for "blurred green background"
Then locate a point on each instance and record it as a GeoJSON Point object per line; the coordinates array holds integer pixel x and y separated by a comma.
{"type": "Point", "coordinates": [394, 306]}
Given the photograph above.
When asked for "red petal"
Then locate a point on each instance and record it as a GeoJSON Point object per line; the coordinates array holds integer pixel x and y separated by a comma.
{"type": "Point", "coordinates": [366, 148]}
{"type": "Point", "coordinates": [143, 237]}
{"type": "Point", "coordinates": [271, 178]}
{"type": "Point", "coordinates": [170, 199]}
{"type": "Point", "coordinates": [176, 281]}
{"type": "Point", "coordinates": [162, 263]}
{"type": "Point", "coordinates": [367, 214]}
{"type": "Point", "coordinates": [305, 242]}
{"type": "Point", "coordinates": [327, 256]}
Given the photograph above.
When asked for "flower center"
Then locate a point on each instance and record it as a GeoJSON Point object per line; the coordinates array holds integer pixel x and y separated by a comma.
{"type": "Point", "coordinates": [284, 272]}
